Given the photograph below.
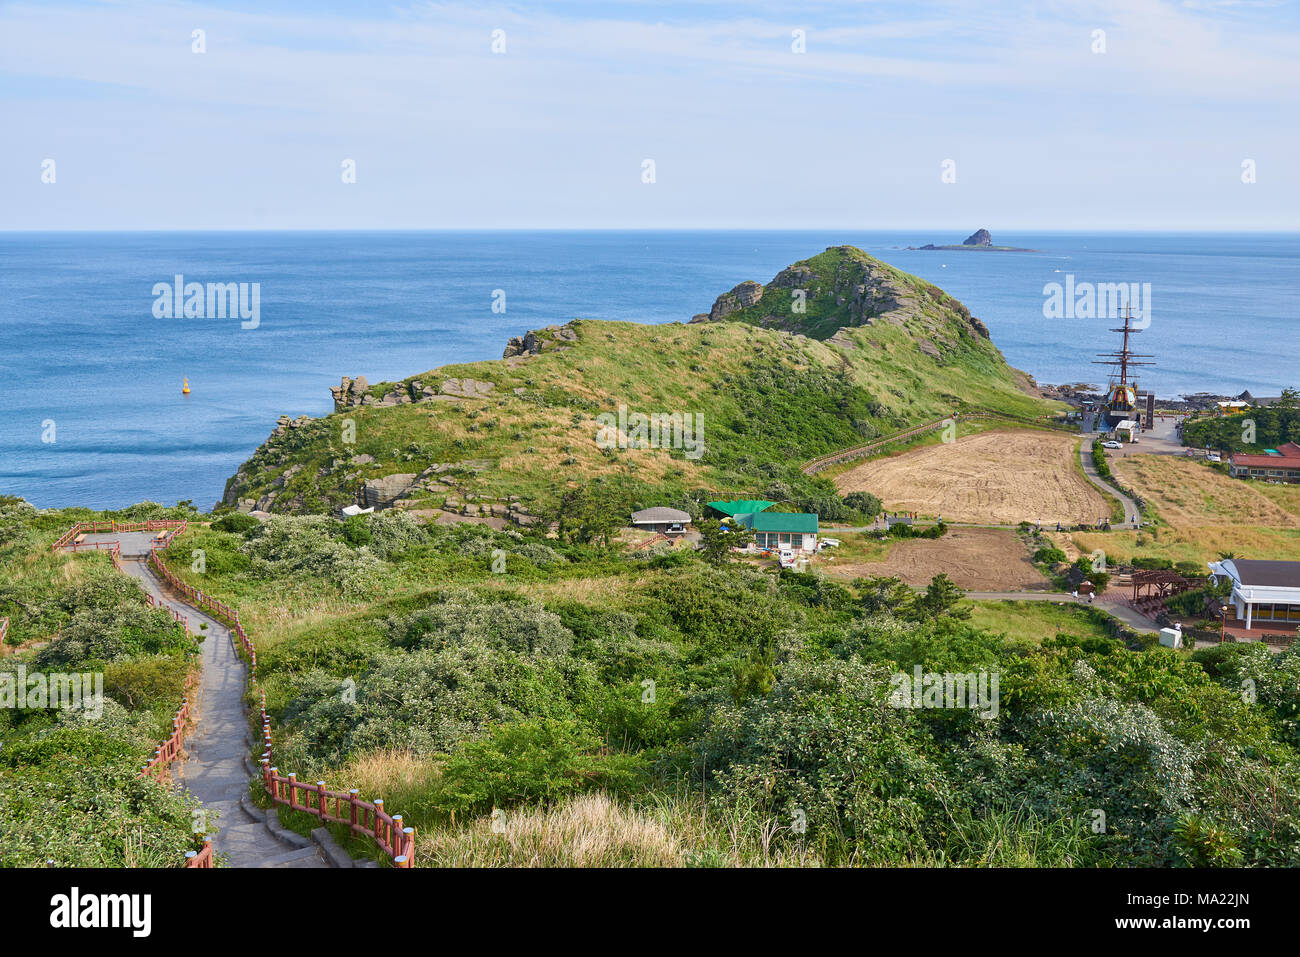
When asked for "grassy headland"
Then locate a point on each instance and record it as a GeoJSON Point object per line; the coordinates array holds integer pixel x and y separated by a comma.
{"type": "Point", "coordinates": [875, 350]}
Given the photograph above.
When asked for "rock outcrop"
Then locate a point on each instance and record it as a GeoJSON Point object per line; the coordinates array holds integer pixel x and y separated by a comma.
{"type": "Point", "coordinates": [535, 341]}
{"type": "Point", "coordinates": [742, 297]}
{"type": "Point", "coordinates": [383, 492]}
{"type": "Point", "coordinates": [355, 392]}
{"type": "Point", "coordinates": [352, 392]}
{"type": "Point", "coordinates": [466, 388]}
{"type": "Point", "coordinates": [283, 424]}
{"type": "Point", "coordinates": [981, 237]}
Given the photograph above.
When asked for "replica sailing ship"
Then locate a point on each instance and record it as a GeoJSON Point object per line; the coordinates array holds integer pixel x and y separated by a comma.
{"type": "Point", "coordinates": [1121, 400]}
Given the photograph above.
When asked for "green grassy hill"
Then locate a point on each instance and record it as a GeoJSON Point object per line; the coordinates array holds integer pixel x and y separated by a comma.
{"type": "Point", "coordinates": [876, 350]}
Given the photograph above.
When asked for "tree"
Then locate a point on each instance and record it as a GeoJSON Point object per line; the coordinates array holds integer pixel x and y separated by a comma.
{"type": "Point", "coordinates": [863, 502]}
{"type": "Point", "coordinates": [883, 594]}
{"type": "Point", "coordinates": [584, 514]}
{"type": "Point", "coordinates": [941, 598]}
{"type": "Point", "coordinates": [717, 540]}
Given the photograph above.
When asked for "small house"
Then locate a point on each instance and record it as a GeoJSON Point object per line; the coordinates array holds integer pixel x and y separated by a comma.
{"type": "Point", "coordinates": [1281, 464]}
{"type": "Point", "coordinates": [773, 531]}
{"type": "Point", "coordinates": [666, 521]}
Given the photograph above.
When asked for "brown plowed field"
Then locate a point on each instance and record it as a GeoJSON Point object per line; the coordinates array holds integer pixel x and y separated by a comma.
{"type": "Point", "coordinates": [977, 559]}
{"type": "Point", "coordinates": [1001, 477]}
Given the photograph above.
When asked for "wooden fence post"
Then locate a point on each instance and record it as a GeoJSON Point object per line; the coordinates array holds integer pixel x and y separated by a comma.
{"type": "Point", "coordinates": [293, 790]}
{"type": "Point", "coordinates": [320, 800]}
{"type": "Point", "coordinates": [379, 813]}
{"type": "Point", "coordinates": [352, 800]}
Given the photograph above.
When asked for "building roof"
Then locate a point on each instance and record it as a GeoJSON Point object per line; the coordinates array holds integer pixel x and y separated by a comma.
{"type": "Point", "coordinates": [804, 523]}
{"type": "Point", "coordinates": [1262, 574]}
{"type": "Point", "coordinates": [741, 507]}
{"type": "Point", "coordinates": [1288, 457]}
{"type": "Point", "coordinates": [659, 513]}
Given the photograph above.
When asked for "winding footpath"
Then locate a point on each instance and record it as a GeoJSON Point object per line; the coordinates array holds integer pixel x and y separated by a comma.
{"type": "Point", "coordinates": [217, 770]}
{"type": "Point", "coordinates": [1090, 473]}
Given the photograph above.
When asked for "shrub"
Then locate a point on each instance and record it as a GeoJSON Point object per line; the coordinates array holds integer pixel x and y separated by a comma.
{"type": "Point", "coordinates": [528, 762]}
{"type": "Point", "coordinates": [863, 502]}
{"type": "Point", "coordinates": [239, 523]}
{"type": "Point", "coordinates": [524, 629]}
{"type": "Point", "coordinates": [146, 682]}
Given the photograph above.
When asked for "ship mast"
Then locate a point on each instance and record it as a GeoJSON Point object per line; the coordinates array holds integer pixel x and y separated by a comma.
{"type": "Point", "coordinates": [1125, 357]}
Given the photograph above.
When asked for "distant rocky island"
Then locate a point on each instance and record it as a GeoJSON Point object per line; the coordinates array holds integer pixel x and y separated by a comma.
{"type": "Point", "coordinates": [980, 239]}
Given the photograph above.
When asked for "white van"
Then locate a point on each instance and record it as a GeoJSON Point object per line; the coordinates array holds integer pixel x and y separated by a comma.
{"type": "Point", "coordinates": [785, 557]}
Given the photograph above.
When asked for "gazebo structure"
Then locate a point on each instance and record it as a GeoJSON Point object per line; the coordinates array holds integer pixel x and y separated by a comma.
{"type": "Point", "coordinates": [1153, 587]}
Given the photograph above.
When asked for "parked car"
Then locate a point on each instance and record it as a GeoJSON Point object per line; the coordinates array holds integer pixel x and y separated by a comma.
{"type": "Point", "coordinates": [1215, 457]}
{"type": "Point", "coordinates": [1112, 444]}
{"type": "Point", "coordinates": [786, 557]}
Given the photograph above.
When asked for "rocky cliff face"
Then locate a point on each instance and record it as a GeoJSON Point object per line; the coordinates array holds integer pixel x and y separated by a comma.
{"type": "Point", "coordinates": [356, 392]}
{"type": "Point", "coordinates": [747, 294]}
{"type": "Point", "coordinates": [981, 237]}
{"type": "Point", "coordinates": [843, 287]}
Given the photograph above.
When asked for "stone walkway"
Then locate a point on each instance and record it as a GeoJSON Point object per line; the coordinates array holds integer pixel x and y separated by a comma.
{"type": "Point", "coordinates": [215, 771]}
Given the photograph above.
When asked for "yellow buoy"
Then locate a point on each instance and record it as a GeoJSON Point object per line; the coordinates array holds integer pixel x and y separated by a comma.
{"type": "Point", "coordinates": [185, 390]}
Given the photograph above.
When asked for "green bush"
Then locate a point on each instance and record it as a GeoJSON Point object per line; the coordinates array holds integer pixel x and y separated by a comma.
{"type": "Point", "coordinates": [528, 762]}
{"type": "Point", "coordinates": [864, 503]}
{"type": "Point", "coordinates": [238, 523]}
{"type": "Point", "coordinates": [147, 682]}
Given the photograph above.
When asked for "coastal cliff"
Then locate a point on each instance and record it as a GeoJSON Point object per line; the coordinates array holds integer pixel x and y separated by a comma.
{"type": "Point", "coordinates": [835, 350]}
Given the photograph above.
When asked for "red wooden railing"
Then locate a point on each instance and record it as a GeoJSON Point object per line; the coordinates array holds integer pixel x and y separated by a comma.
{"type": "Point", "coordinates": [158, 766]}
{"type": "Point", "coordinates": [174, 525]}
{"type": "Point", "coordinates": [201, 858]}
{"type": "Point", "coordinates": [171, 749]}
{"type": "Point", "coordinates": [362, 817]}
{"type": "Point", "coordinates": [217, 609]}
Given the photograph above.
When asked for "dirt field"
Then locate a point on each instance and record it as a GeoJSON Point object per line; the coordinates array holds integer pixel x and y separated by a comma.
{"type": "Point", "coordinates": [977, 559]}
{"type": "Point", "coordinates": [1203, 513]}
{"type": "Point", "coordinates": [999, 477]}
{"type": "Point", "coordinates": [1187, 494]}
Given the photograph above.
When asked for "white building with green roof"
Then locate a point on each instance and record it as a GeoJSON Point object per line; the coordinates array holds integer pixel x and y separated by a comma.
{"type": "Point", "coordinates": [773, 531]}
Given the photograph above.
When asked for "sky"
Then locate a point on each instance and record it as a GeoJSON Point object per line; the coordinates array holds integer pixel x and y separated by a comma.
{"type": "Point", "coordinates": [863, 115]}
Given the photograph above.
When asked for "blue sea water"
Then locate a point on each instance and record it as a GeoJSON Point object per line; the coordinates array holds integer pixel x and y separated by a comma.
{"type": "Point", "coordinates": [80, 347]}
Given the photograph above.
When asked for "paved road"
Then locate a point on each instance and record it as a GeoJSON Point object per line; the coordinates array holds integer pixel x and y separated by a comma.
{"type": "Point", "coordinates": [214, 770]}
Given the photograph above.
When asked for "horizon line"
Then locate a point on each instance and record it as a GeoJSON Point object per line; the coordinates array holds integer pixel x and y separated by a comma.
{"type": "Point", "coordinates": [645, 229]}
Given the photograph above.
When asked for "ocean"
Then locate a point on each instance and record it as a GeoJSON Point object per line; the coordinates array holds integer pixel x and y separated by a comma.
{"type": "Point", "coordinates": [91, 409]}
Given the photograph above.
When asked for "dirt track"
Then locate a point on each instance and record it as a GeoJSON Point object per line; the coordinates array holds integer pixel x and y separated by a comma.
{"type": "Point", "coordinates": [1001, 477]}
{"type": "Point", "coordinates": [980, 559]}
